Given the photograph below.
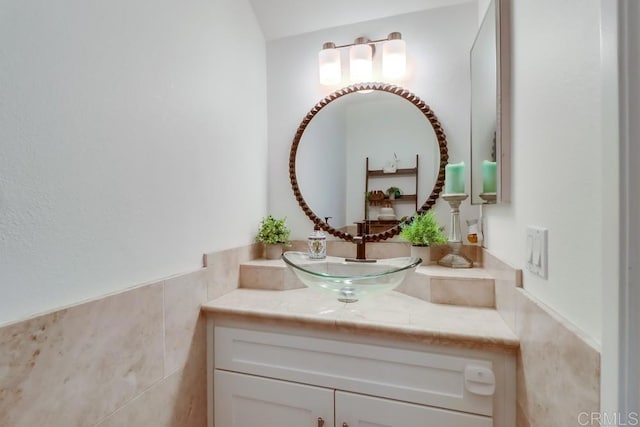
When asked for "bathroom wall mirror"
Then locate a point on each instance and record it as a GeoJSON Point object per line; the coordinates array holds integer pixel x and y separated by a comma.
{"type": "Point", "coordinates": [490, 119]}
{"type": "Point", "coordinates": [388, 131]}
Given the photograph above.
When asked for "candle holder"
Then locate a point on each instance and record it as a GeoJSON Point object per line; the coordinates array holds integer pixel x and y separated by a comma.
{"type": "Point", "coordinates": [455, 259]}
{"type": "Point", "coordinates": [489, 198]}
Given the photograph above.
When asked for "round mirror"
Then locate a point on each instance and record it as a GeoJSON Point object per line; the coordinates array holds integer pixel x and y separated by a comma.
{"type": "Point", "coordinates": [367, 161]}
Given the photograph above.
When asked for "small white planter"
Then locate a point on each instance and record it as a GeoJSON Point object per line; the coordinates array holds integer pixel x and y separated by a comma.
{"type": "Point", "coordinates": [423, 252]}
{"type": "Point", "coordinates": [273, 251]}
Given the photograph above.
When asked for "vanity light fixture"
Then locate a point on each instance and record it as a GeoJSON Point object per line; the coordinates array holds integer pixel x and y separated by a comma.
{"type": "Point", "coordinates": [361, 51]}
{"type": "Point", "coordinates": [361, 61]}
{"type": "Point", "coordinates": [394, 57]}
{"type": "Point", "coordinates": [329, 60]}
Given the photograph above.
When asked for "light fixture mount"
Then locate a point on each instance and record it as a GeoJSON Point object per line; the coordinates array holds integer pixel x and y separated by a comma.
{"type": "Point", "coordinates": [365, 40]}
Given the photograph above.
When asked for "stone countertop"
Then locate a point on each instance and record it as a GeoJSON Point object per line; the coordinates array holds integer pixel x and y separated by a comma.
{"type": "Point", "coordinates": [388, 315]}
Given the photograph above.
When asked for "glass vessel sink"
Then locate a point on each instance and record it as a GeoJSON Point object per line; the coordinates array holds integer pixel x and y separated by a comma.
{"type": "Point", "coordinates": [348, 280]}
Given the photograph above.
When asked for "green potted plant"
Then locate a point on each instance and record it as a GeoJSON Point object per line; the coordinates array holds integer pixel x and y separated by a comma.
{"type": "Point", "coordinates": [393, 192]}
{"type": "Point", "coordinates": [274, 234]}
{"type": "Point", "coordinates": [423, 232]}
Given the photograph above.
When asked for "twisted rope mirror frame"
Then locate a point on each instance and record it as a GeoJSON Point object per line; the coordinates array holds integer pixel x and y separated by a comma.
{"type": "Point", "coordinates": [396, 90]}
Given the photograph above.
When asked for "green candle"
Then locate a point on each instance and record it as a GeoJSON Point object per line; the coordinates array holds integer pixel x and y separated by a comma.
{"type": "Point", "coordinates": [488, 176]}
{"type": "Point", "coordinates": [454, 178]}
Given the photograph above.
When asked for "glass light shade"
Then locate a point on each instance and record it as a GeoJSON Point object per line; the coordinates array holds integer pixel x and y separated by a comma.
{"type": "Point", "coordinates": [360, 63]}
{"type": "Point", "coordinates": [330, 69]}
{"type": "Point", "coordinates": [394, 59]}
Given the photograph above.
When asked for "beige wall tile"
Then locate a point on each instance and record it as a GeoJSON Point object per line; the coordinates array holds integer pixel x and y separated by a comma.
{"type": "Point", "coordinates": [223, 271]}
{"type": "Point", "coordinates": [466, 292]}
{"type": "Point", "coordinates": [298, 246]}
{"type": "Point", "coordinates": [77, 365]}
{"type": "Point", "coordinates": [341, 249]}
{"type": "Point", "coordinates": [265, 275]}
{"type": "Point", "coordinates": [417, 285]}
{"type": "Point", "coordinates": [177, 401]}
{"type": "Point", "coordinates": [382, 250]}
{"type": "Point", "coordinates": [387, 249]}
{"type": "Point", "coordinates": [506, 279]}
{"type": "Point", "coordinates": [268, 274]}
{"type": "Point", "coordinates": [374, 250]}
{"type": "Point", "coordinates": [558, 369]}
{"type": "Point", "coordinates": [472, 252]}
{"type": "Point", "coordinates": [291, 281]}
{"type": "Point", "coordinates": [521, 418]}
{"type": "Point", "coordinates": [184, 326]}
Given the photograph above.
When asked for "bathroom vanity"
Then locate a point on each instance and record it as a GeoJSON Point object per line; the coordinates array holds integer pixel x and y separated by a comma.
{"type": "Point", "coordinates": [297, 357]}
{"type": "Point", "coordinates": [301, 358]}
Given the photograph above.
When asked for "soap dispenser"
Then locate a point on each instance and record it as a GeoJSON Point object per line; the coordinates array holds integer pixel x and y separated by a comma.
{"type": "Point", "coordinates": [317, 244]}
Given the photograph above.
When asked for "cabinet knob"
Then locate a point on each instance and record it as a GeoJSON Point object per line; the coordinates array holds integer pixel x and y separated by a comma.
{"type": "Point", "coordinates": [320, 422]}
{"type": "Point", "coordinates": [345, 425]}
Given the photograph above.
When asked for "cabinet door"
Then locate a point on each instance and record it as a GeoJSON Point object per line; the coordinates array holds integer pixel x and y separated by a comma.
{"type": "Point", "coordinates": [246, 401]}
{"type": "Point", "coordinates": [355, 410]}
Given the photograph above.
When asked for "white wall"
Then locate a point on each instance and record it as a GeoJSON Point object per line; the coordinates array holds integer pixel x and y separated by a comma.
{"type": "Point", "coordinates": [132, 140]}
{"type": "Point", "coordinates": [620, 389]}
{"type": "Point", "coordinates": [561, 180]}
{"type": "Point", "coordinates": [378, 130]}
{"type": "Point", "coordinates": [323, 149]}
{"type": "Point", "coordinates": [633, 226]}
{"type": "Point", "coordinates": [438, 43]}
{"type": "Point", "coordinates": [613, 337]}
{"type": "Point", "coordinates": [483, 5]}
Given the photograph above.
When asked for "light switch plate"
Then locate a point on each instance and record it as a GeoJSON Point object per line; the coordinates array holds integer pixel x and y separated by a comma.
{"type": "Point", "coordinates": [537, 251]}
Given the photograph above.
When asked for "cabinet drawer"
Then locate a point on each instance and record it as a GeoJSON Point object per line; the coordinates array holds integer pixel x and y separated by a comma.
{"type": "Point", "coordinates": [425, 378]}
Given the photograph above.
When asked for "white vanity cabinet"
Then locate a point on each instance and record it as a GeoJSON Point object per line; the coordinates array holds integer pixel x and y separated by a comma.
{"type": "Point", "coordinates": [268, 376]}
{"type": "Point", "coordinates": [244, 401]}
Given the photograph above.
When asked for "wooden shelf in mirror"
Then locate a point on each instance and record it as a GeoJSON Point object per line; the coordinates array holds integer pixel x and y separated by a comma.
{"type": "Point", "coordinates": [380, 173]}
{"type": "Point", "coordinates": [405, 198]}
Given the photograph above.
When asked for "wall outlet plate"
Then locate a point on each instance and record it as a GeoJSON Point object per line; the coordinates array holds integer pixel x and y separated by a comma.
{"type": "Point", "coordinates": [537, 251]}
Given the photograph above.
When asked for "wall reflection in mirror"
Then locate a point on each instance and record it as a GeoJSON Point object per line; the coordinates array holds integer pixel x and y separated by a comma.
{"type": "Point", "coordinates": [489, 108]}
